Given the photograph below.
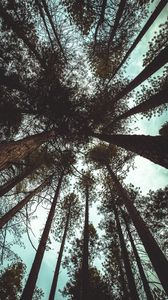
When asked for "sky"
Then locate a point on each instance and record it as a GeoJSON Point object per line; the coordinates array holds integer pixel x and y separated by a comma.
{"type": "Point", "coordinates": [146, 175]}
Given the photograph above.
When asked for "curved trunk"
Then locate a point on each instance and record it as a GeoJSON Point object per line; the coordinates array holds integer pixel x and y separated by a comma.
{"type": "Point", "coordinates": [153, 102]}
{"type": "Point", "coordinates": [153, 148]}
{"type": "Point", "coordinates": [13, 151]}
{"type": "Point", "coordinates": [56, 273]}
{"type": "Point", "coordinates": [85, 272]}
{"type": "Point", "coordinates": [6, 187]}
{"type": "Point", "coordinates": [10, 214]}
{"type": "Point", "coordinates": [155, 254]}
{"type": "Point", "coordinates": [31, 281]}
{"type": "Point", "coordinates": [125, 256]}
{"type": "Point", "coordinates": [152, 18]}
{"type": "Point", "coordinates": [146, 286]}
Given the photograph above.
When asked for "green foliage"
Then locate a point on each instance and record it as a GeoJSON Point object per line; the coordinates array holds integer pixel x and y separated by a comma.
{"type": "Point", "coordinates": [11, 282]}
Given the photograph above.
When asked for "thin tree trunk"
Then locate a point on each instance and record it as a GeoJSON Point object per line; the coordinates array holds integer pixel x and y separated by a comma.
{"type": "Point", "coordinates": [155, 254]}
{"type": "Point", "coordinates": [150, 21]}
{"type": "Point", "coordinates": [153, 102]}
{"type": "Point", "coordinates": [13, 151]}
{"type": "Point", "coordinates": [10, 214]}
{"type": "Point", "coordinates": [53, 27]}
{"type": "Point", "coordinates": [44, 21]}
{"type": "Point", "coordinates": [116, 22]}
{"type": "Point", "coordinates": [124, 288]}
{"type": "Point", "coordinates": [154, 148]}
{"type": "Point", "coordinates": [6, 187]}
{"type": "Point", "coordinates": [85, 272]}
{"type": "Point", "coordinates": [20, 33]}
{"type": "Point", "coordinates": [56, 273]}
{"type": "Point", "coordinates": [146, 286]}
{"type": "Point", "coordinates": [31, 282]}
{"type": "Point", "coordinates": [125, 256]}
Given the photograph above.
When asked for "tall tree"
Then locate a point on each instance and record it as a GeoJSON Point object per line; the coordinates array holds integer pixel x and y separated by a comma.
{"type": "Point", "coordinates": [11, 213]}
{"type": "Point", "coordinates": [146, 286]}
{"type": "Point", "coordinates": [71, 207]}
{"type": "Point", "coordinates": [153, 148]}
{"type": "Point", "coordinates": [14, 151]}
{"type": "Point", "coordinates": [87, 185]}
{"type": "Point", "coordinates": [101, 156]}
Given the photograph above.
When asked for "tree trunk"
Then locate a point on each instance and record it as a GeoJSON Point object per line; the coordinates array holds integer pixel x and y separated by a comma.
{"type": "Point", "coordinates": [85, 272]}
{"type": "Point", "coordinates": [155, 254]}
{"type": "Point", "coordinates": [13, 151]}
{"type": "Point", "coordinates": [6, 187]}
{"type": "Point", "coordinates": [53, 27]}
{"type": "Point", "coordinates": [158, 62]}
{"type": "Point", "coordinates": [56, 273]}
{"type": "Point", "coordinates": [152, 18]}
{"type": "Point", "coordinates": [10, 214]}
{"type": "Point", "coordinates": [18, 30]}
{"type": "Point", "coordinates": [153, 102]}
{"type": "Point", "coordinates": [125, 256]}
{"type": "Point", "coordinates": [124, 288]}
{"type": "Point", "coordinates": [31, 282]}
{"type": "Point", "coordinates": [154, 148]}
{"type": "Point", "coordinates": [146, 286]}
{"type": "Point", "coordinates": [116, 22]}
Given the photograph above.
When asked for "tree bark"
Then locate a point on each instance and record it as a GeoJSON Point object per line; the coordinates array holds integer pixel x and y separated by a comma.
{"type": "Point", "coordinates": [155, 254]}
{"type": "Point", "coordinates": [150, 21]}
{"type": "Point", "coordinates": [31, 282]}
{"type": "Point", "coordinates": [125, 256]}
{"type": "Point", "coordinates": [10, 214]}
{"type": "Point", "coordinates": [153, 102]}
{"type": "Point", "coordinates": [146, 286]}
{"type": "Point", "coordinates": [56, 273]}
{"type": "Point", "coordinates": [85, 272]}
{"type": "Point", "coordinates": [13, 151]}
{"type": "Point", "coordinates": [154, 148]}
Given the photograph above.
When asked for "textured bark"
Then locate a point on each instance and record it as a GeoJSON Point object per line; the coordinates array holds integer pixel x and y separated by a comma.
{"type": "Point", "coordinates": [13, 151]}
{"type": "Point", "coordinates": [31, 282]}
{"type": "Point", "coordinates": [10, 214]}
{"type": "Point", "coordinates": [6, 187]}
{"type": "Point", "coordinates": [18, 30]}
{"type": "Point", "coordinates": [116, 22]}
{"type": "Point", "coordinates": [125, 256]}
{"type": "Point", "coordinates": [155, 254]}
{"type": "Point", "coordinates": [146, 286]}
{"type": "Point", "coordinates": [153, 102]}
{"type": "Point", "coordinates": [152, 18]}
{"type": "Point", "coordinates": [57, 269]}
{"type": "Point", "coordinates": [85, 255]}
{"type": "Point", "coordinates": [154, 148]}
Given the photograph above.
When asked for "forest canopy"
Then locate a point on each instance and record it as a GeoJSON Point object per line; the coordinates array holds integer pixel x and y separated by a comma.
{"type": "Point", "coordinates": [81, 85]}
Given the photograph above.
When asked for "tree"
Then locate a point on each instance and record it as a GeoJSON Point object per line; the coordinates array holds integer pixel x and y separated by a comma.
{"type": "Point", "coordinates": [101, 156]}
{"type": "Point", "coordinates": [153, 148]}
{"type": "Point", "coordinates": [87, 185]}
{"type": "Point", "coordinates": [14, 151]}
{"type": "Point", "coordinates": [11, 213]}
{"type": "Point", "coordinates": [11, 281]}
{"type": "Point", "coordinates": [71, 210]}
